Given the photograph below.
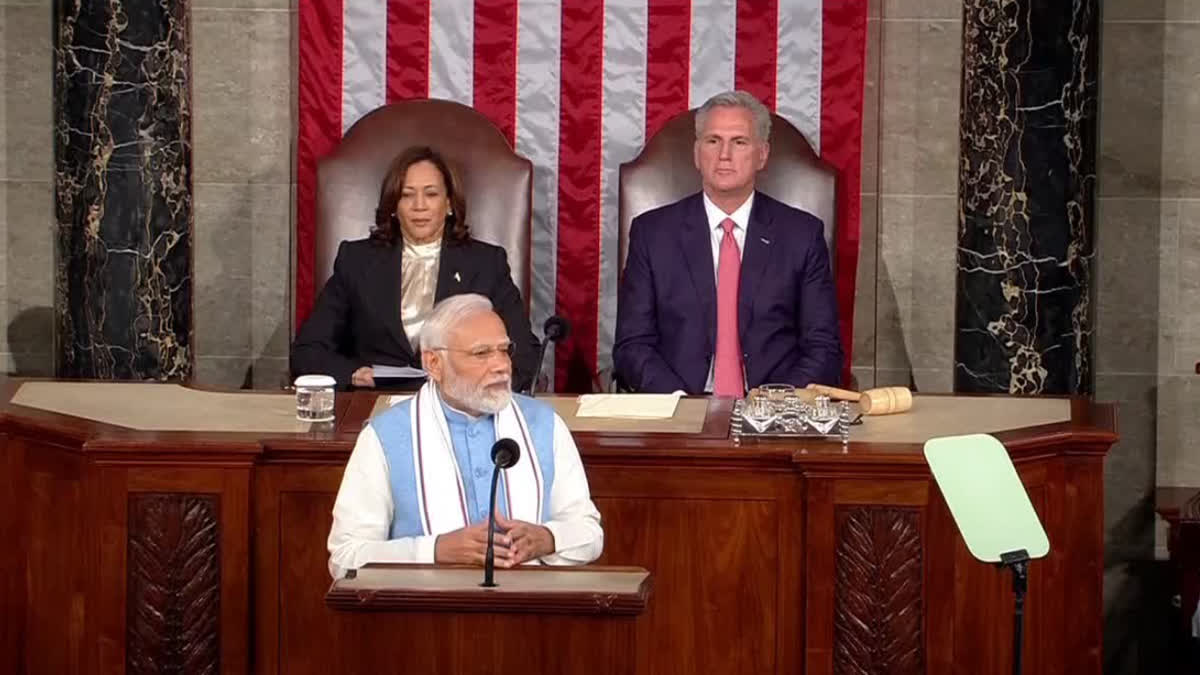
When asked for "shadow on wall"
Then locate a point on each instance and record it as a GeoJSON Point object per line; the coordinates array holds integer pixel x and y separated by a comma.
{"type": "Point", "coordinates": [268, 370]}
{"type": "Point", "coordinates": [1136, 69]}
{"type": "Point", "coordinates": [31, 342]}
{"type": "Point", "coordinates": [889, 336]}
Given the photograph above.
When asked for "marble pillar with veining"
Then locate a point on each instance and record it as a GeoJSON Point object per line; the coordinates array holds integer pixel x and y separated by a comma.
{"type": "Point", "coordinates": [1026, 239]}
{"type": "Point", "coordinates": [123, 178]}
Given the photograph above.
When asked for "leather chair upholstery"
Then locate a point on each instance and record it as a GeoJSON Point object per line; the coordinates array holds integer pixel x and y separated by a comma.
{"type": "Point", "coordinates": [664, 172]}
{"type": "Point", "coordinates": [498, 182]}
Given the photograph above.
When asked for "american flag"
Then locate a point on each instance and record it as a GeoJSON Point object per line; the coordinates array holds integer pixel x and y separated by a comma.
{"type": "Point", "coordinates": [577, 86]}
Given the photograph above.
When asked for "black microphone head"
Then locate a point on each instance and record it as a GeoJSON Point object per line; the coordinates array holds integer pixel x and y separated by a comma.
{"type": "Point", "coordinates": [555, 328]}
{"type": "Point", "coordinates": [505, 453]}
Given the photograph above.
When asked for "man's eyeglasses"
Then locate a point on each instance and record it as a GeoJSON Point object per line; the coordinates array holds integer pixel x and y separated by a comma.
{"type": "Point", "coordinates": [483, 352]}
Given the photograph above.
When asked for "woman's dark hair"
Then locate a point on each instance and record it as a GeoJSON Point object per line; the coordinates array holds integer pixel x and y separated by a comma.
{"type": "Point", "coordinates": [387, 224]}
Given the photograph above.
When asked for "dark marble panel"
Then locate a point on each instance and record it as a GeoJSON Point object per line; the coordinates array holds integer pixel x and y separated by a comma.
{"type": "Point", "coordinates": [1026, 197]}
{"type": "Point", "coordinates": [123, 163]}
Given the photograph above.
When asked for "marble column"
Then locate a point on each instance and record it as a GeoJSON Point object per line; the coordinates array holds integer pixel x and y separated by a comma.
{"type": "Point", "coordinates": [1027, 197]}
{"type": "Point", "coordinates": [123, 180]}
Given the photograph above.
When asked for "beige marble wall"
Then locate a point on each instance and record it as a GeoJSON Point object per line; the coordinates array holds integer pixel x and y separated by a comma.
{"type": "Point", "coordinates": [1149, 234]}
{"type": "Point", "coordinates": [243, 101]}
{"type": "Point", "coordinates": [904, 306]}
{"type": "Point", "coordinates": [26, 188]}
{"type": "Point", "coordinates": [243, 175]}
{"type": "Point", "coordinates": [1148, 333]}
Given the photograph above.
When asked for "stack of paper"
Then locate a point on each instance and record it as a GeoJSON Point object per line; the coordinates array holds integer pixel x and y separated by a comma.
{"type": "Point", "coordinates": [396, 372]}
{"type": "Point", "coordinates": [640, 406]}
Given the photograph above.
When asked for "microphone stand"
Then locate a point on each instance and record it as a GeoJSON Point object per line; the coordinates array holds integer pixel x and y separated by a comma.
{"type": "Point", "coordinates": [1018, 562]}
{"type": "Point", "coordinates": [505, 453]}
{"type": "Point", "coordinates": [554, 330]}
{"type": "Point", "coordinates": [489, 558]}
{"type": "Point", "coordinates": [538, 371]}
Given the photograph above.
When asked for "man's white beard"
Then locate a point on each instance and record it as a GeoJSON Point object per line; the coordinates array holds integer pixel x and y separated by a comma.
{"type": "Point", "coordinates": [487, 400]}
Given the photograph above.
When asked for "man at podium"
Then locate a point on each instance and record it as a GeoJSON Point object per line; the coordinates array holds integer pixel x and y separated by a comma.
{"type": "Point", "coordinates": [417, 485]}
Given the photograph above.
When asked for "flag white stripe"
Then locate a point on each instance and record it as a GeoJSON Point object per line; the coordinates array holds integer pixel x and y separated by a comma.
{"type": "Point", "coordinates": [623, 128]}
{"type": "Point", "coordinates": [452, 50]}
{"type": "Point", "coordinates": [364, 58]}
{"type": "Point", "coordinates": [713, 40]}
{"type": "Point", "coordinates": [798, 67]}
{"type": "Point", "coordinates": [539, 28]}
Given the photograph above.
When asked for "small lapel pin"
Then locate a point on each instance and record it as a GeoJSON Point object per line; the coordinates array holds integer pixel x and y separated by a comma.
{"type": "Point", "coordinates": [765, 241]}
{"type": "Point", "coordinates": [457, 278]}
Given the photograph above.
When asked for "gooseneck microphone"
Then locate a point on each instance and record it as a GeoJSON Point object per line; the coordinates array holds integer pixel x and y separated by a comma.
{"type": "Point", "coordinates": [505, 453]}
{"type": "Point", "coordinates": [554, 330]}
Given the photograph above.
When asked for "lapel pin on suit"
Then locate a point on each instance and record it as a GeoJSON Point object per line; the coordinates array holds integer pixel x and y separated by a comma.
{"type": "Point", "coordinates": [457, 278]}
{"type": "Point", "coordinates": [765, 241]}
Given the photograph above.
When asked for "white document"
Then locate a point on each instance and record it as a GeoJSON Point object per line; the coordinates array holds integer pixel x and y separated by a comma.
{"type": "Point", "coordinates": [406, 372]}
{"type": "Point", "coordinates": [639, 406]}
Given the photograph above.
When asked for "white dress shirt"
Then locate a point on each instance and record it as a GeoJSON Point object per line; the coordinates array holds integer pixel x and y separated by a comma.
{"type": "Point", "coordinates": [362, 514]}
{"type": "Point", "coordinates": [741, 221]}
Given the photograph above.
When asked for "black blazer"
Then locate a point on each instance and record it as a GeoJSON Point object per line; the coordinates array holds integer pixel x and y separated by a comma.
{"type": "Point", "coordinates": [356, 319]}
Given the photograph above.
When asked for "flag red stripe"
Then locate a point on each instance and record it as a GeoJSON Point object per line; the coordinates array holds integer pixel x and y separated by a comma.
{"type": "Point", "coordinates": [495, 69]}
{"type": "Point", "coordinates": [319, 125]}
{"type": "Point", "coordinates": [577, 286]}
{"type": "Point", "coordinates": [668, 55]}
{"type": "Point", "coordinates": [407, 49]}
{"type": "Point", "coordinates": [755, 52]}
{"type": "Point", "coordinates": [843, 46]}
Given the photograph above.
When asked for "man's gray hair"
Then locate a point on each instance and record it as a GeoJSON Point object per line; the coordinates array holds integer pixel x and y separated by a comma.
{"type": "Point", "coordinates": [737, 99]}
{"type": "Point", "coordinates": [446, 314]}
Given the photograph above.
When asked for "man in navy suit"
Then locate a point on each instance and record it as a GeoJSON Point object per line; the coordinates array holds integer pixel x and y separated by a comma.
{"type": "Point", "coordinates": [729, 288]}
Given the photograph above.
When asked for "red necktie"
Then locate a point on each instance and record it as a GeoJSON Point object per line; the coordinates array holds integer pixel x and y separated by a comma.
{"type": "Point", "coordinates": [727, 366]}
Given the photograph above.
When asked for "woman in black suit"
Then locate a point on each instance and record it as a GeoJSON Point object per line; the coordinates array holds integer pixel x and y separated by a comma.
{"type": "Point", "coordinates": [420, 251]}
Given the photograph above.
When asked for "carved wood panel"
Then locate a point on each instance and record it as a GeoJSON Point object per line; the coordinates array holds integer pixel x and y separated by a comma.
{"type": "Point", "coordinates": [878, 612]}
{"type": "Point", "coordinates": [174, 583]}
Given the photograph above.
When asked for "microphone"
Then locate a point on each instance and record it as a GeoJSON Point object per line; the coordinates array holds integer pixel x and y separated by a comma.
{"type": "Point", "coordinates": [554, 330]}
{"type": "Point", "coordinates": [505, 453]}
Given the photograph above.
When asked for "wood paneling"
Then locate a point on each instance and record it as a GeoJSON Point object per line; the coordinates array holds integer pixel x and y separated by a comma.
{"type": "Point", "coordinates": [114, 490]}
{"type": "Point", "coordinates": [290, 485]}
{"type": "Point", "coordinates": [471, 643]}
{"type": "Point", "coordinates": [174, 579]}
{"type": "Point", "coordinates": [878, 592]}
{"type": "Point", "coordinates": [715, 562]}
{"type": "Point", "coordinates": [304, 521]}
{"type": "Point", "coordinates": [13, 502]}
{"type": "Point", "coordinates": [771, 557]}
{"type": "Point", "coordinates": [56, 560]}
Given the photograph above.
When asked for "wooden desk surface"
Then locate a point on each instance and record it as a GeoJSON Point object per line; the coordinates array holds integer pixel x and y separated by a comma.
{"type": "Point", "coordinates": [558, 590]}
{"type": "Point", "coordinates": [152, 411]}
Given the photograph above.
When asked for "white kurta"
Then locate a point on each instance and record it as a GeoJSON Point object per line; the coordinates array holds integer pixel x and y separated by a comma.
{"type": "Point", "coordinates": [362, 514]}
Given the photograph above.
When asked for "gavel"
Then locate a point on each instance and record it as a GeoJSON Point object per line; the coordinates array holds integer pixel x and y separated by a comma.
{"type": "Point", "coordinates": [880, 401]}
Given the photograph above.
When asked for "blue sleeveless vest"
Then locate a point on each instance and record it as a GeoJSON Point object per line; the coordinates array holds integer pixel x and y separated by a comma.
{"type": "Point", "coordinates": [394, 429]}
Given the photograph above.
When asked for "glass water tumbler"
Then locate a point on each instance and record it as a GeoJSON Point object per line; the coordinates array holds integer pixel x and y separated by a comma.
{"type": "Point", "coordinates": [314, 398]}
